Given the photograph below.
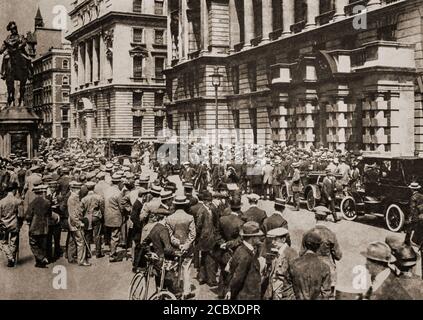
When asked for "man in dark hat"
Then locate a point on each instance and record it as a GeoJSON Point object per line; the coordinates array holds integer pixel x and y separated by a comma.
{"type": "Point", "coordinates": [11, 209]}
{"type": "Point", "coordinates": [406, 260]}
{"type": "Point", "coordinates": [37, 214]}
{"type": "Point", "coordinates": [245, 267]}
{"type": "Point", "coordinates": [310, 276]}
{"type": "Point", "coordinates": [254, 213]}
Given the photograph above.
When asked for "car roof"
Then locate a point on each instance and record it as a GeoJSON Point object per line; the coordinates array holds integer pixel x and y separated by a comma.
{"type": "Point", "coordinates": [383, 157]}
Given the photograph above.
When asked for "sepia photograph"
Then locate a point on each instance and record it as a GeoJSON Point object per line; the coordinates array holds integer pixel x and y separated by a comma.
{"type": "Point", "coordinates": [211, 150]}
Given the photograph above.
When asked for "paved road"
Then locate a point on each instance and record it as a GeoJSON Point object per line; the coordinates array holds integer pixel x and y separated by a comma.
{"type": "Point", "coordinates": [111, 281]}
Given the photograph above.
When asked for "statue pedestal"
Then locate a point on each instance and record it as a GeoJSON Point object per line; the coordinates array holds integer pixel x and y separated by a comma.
{"type": "Point", "coordinates": [18, 132]}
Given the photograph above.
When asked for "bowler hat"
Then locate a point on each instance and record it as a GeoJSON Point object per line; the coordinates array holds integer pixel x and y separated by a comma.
{"type": "Point", "coordinates": [251, 229]}
{"type": "Point", "coordinates": [378, 251]}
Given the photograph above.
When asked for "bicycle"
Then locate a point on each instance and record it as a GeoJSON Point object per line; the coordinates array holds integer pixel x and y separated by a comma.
{"type": "Point", "coordinates": [140, 284]}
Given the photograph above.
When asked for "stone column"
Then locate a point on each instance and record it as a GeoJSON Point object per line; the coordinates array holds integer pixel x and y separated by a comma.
{"type": "Point", "coordinates": [267, 19]}
{"type": "Point", "coordinates": [248, 22]}
{"type": "Point", "coordinates": [102, 53]}
{"type": "Point", "coordinates": [87, 62]}
{"type": "Point", "coordinates": [340, 9]}
{"type": "Point", "coordinates": [373, 4]}
{"type": "Point", "coordinates": [312, 13]}
{"type": "Point", "coordinates": [29, 145]}
{"type": "Point", "coordinates": [89, 124]}
{"type": "Point", "coordinates": [81, 65]}
{"type": "Point", "coordinates": [96, 65]}
{"type": "Point", "coordinates": [183, 31]}
{"type": "Point", "coordinates": [235, 32]}
{"type": "Point", "coordinates": [288, 16]}
{"type": "Point", "coordinates": [169, 39]}
{"type": "Point", "coordinates": [204, 26]}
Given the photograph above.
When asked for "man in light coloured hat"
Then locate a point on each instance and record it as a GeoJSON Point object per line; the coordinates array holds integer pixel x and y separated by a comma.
{"type": "Point", "coordinates": [281, 255]}
{"type": "Point", "coordinates": [383, 284]}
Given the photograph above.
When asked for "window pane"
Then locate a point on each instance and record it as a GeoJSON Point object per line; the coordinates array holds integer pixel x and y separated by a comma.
{"type": "Point", "coordinates": [158, 7]}
{"type": "Point", "coordinates": [138, 67]}
{"type": "Point", "coordinates": [159, 67]}
{"type": "Point", "coordinates": [137, 126]}
{"type": "Point", "coordinates": [137, 6]}
{"type": "Point", "coordinates": [158, 37]}
{"type": "Point", "coordinates": [137, 100]}
{"type": "Point", "coordinates": [138, 35]}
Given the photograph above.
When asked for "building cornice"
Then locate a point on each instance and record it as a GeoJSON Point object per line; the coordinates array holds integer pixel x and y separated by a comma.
{"type": "Point", "coordinates": [107, 87]}
{"type": "Point", "coordinates": [116, 17]}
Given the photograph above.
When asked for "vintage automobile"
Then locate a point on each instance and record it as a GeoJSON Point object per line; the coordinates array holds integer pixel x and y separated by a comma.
{"type": "Point", "coordinates": [310, 190]}
{"type": "Point", "coordinates": [384, 189]}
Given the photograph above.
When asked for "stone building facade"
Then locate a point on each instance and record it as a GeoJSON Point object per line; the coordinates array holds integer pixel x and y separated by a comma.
{"type": "Point", "coordinates": [119, 53]}
{"type": "Point", "coordinates": [337, 73]}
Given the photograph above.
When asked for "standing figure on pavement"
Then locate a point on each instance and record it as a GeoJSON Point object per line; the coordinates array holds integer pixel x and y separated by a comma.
{"type": "Point", "coordinates": [254, 213]}
{"type": "Point", "coordinates": [182, 234]}
{"type": "Point", "coordinates": [310, 276]}
{"type": "Point", "coordinates": [328, 192]}
{"type": "Point", "coordinates": [246, 267]}
{"type": "Point", "coordinates": [76, 227]}
{"type": "Point", "coordinates": [11, 209]}
{"type": "Point", "coordinates": [267, 173]}
{"type": "Point", "coordinates": [296, 185]}
{"type": "Point", "coordinates": [38, 213]}
{"type": "Point", "coordinates": [279, 281]}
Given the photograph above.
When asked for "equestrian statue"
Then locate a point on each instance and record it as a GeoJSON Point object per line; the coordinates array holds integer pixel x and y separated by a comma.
{"type": "Point", "coordinates": [16, 65]}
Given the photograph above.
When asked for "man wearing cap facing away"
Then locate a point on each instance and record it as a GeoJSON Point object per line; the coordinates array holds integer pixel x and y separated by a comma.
{"type": "Point", "coordinates": [310, 276]}
{"type": "Point", "coordinates": [384, 284]}
{"type": "Point", "coordinates": [11, 209]}
{"type": "Point", "coordinates": [245, 267]}
{"type": "Point", "coordinates": [76, 227]}
{"type": "Point", "coordinates": [93, 210]}
{"type": "Point", "coordinates": [329, 250]}
{"type": "Point", "coordinates": [113, 218]}
{"type": "Point", "coordinates": [37, 214]}
{"type": "Point", "coordinates": [279, 281]}
{"type": "Point", "coordinates": [254, 213]}
{"type": "Point", "coordinates": [182, 232]}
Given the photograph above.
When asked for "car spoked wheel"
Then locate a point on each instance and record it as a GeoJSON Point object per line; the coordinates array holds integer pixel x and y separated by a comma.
{"type": "Point", "coordinates": [348, 209]}
{"type": "Point", "coordinates": [394, 218]}
{"type": "Point", "coordinates": [311, 200]}
{"type": "Point", "coordinates": [164, 295]}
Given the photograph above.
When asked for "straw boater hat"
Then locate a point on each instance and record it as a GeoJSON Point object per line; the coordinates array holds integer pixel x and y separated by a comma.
{"type": "Point", "coordinates": [415, 186]}
{"type": "Point", "coordinates": [277, 233]}
{"type": "Point", "coordinates": [180, 200]}
{"type": "Point", "coordinates": [166, 195]}
{"type": "Point", "coordinates": [251, 229]}
{"type": "Point", "coordinates": [156, 190]}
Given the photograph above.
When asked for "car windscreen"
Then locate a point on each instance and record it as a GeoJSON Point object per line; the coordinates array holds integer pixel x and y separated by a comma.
{"type": "Point", "coordinates": [413, 170]}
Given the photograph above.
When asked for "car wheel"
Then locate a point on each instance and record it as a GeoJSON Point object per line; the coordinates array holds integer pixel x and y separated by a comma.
{"type": "Point", "coordinates": [311, 200]}
{"type": "Point", "coordinates": [348, 209]}
{"type": "Point", "coordinates": [394, 218]}
{"type": "Point", "coordinates": [284, 194]}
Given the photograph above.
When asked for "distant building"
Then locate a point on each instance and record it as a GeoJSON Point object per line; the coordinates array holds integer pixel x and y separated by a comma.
{"type": "Point", "coordinates": [119, 53]}
{"type": "Point", "coordinates": [48, 92]}
{"type": "Point", "coordinates": [300, 72]}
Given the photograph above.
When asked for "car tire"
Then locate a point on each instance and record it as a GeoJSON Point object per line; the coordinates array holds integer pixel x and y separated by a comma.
{"type": "Point", "coordinates": [311, 200]}
{"type": "Point", "coordinates": [348, 209]}
{"type": "Point", "coordinates": [394, 218]}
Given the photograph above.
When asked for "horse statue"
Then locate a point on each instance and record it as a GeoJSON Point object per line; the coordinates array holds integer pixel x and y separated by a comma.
{"type": "Point", "coordinates": [17, 65]}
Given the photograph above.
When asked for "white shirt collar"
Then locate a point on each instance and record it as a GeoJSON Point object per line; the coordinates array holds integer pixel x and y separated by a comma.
{"type": "Point", "coordinates": [380, 278]}
{"type": "Point", "coordinates": [249, 246]}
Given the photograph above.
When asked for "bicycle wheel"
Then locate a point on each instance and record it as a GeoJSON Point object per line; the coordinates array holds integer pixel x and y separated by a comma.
{"type": "Point", "coordinates": [138, 287]}
{"type": "Point", "coordinates": [163, 295]}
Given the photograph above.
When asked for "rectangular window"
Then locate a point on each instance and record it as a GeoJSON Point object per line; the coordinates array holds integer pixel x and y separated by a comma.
{"type": "Point", "coordinates": [138, 64]}
{"type": "Point", "coordinates": [158, 125]}
{"type": "Point", "coordinates": [65, 132]}
{"type": "Point", "coordinates": [159, 66]}
{"type": "Point", "coordinates": [159, 36]}
{"type": "Point", "coordinates": [138, 35]}
{"type": "Point", "coordinates": [137, 6]}
{"type": "Point", "coordinates": [137, 100]}
{"type": "Point", "coordinates": [137, 126]}
{"type": "Point", "coordinates": [158, 99]}
{"type": "Point", "coordinates": [158, 7]}
{"type": "Point", "coordinates": [65, 81]}
{"type": "Point", "coordinates": [236, 119]}
{"type": "Point", "coordinates": [235, 79]}
{"type": "Point", "coordinates": [252, 75]}
{"type": "Point", "coordinates": [65, 96]}
{"type": "Point", "coordinates": [65, 115]}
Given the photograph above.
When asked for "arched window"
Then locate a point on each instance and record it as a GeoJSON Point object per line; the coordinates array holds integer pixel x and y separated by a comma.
{"type": "Point", "coordinates": [65, 64]}
{"type": "Point", "coordinates": [65, 80]}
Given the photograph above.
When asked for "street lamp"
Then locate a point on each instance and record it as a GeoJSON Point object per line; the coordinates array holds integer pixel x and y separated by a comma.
{"type": "Point", "coordinates": [216, 81]}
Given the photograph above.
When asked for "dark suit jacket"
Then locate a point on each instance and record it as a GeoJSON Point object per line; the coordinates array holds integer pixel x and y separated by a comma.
{"type": "Point", "coordinates": [245, 283]}
{"type": "Point", "coordinates": [273, 222]}
{"type": "Point", "coordinates": [254, 214]}
{"type": "Point", "coordinates": [413, 285]}
{"type": "Point", "coordinates": [38, 214]}
{"type": "Point", "coordinates": [206, 233]}
{"type": "Point", "coordinates": [135, 214]}
{"type": "Point", "coordinates": [230, 226]}
{"type": "Point", "coordinates": [310, 278]}
{"type": "Point", "coordinates": [390, 289]}
{"type": "Point", "coordinates": [159, 237]}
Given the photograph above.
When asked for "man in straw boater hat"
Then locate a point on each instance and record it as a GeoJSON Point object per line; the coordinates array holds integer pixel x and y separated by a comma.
{"type": "Point", "coordinates": [245, 267]}
{"type": "Point", "coordinates": [37, 214]}
{"type": "Point", "coordinates": [182, 232]}
{"type": "Point", "coordinates": [384, 284]}
{"type": "Point", "coordinates": [279, 284]}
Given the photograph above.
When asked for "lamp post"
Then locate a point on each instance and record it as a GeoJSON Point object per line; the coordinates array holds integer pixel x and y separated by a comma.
{"type": "Point", "coordinates": [216, 81]}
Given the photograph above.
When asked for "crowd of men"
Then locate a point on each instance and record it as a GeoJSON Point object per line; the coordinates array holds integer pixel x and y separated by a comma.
{"type": "Point", "coordinates": [114, 202]}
